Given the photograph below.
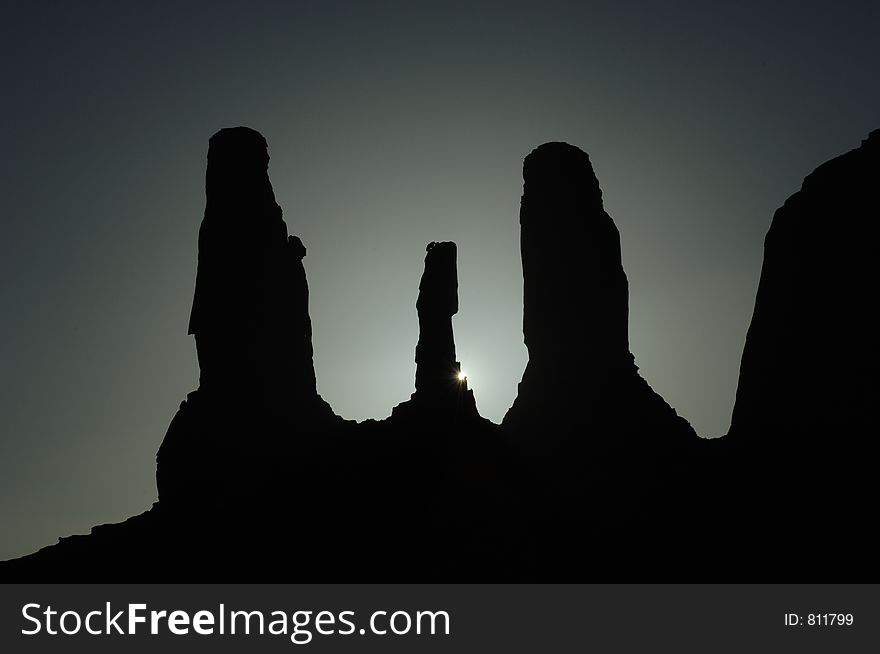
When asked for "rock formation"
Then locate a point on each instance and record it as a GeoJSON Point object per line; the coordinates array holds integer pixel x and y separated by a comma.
{"type": "Point", "coordinates": [441, 389]}
{"type": "Point", "coordinates": [250, 309]}
{"type": "Point", "coordinates": [799, 463]}
{"type": "Point", "coordinates": [596, 444]}
{"type": "Point", "coordinates": [592, 476]}
{"type": "Point", "coordinates": [435, 452]}
{"type": "Point", "coordinates": [580, 373]}
{"type": "Point", "coordinates": [809, 363]}
{"type": "Point", "coordinates": [250, 319]}
{"type": "Point", "coordinates": [436, 367]}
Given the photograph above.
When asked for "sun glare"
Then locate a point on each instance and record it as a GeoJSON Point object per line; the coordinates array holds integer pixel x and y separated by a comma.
{"type": "Point", "coordinates": [461, 375]}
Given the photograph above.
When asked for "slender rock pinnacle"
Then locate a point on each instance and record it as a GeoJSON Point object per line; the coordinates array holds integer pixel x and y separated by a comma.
{"type": "Point", "coordinates": [440, 385]}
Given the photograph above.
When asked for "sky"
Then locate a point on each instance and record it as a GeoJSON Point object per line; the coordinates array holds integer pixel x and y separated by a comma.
{"type": "Point", "coordinates": [390, 125]}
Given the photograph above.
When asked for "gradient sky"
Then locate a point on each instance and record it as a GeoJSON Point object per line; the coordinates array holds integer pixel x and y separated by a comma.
{"type": "Point", "coordinates": [390, 124]}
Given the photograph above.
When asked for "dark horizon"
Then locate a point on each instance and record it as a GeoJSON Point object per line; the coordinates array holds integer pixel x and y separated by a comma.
{"type": "Point", "coordinates": [389, 127]}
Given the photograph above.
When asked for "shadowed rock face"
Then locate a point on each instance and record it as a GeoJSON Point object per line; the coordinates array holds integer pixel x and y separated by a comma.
{"type": "Point", "coordinates": [438, 387]}
{"type": "Point", "coordinates": [580, 372]}
{"type": "Point", "coordinates": [810, 360]}
{"type": "Point", "coordinates": [250, 310]}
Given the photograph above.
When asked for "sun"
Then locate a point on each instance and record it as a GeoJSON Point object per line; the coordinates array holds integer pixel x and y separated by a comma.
{"type": "Point", "coordinates": [461, 375]}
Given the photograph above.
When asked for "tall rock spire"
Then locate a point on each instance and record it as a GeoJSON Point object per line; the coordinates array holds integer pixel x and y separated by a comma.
{"type": "Point", "coordinates": [574, 288]}
{"type": "Point", "coordinates": [250, 309]}
{"type": "Point", "coordinates": [580, 372]}
{"type": "Point", "coordinates": [441, 388]}
{"type": "Point", "coordinates": [257, 401]}
{"type": "Point", "coordinates": [436, 367]}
